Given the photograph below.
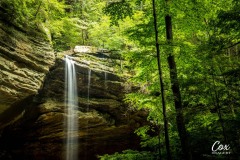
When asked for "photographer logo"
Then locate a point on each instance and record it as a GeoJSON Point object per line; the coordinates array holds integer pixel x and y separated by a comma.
{"type": "Point", "coordinates": [218, 148]}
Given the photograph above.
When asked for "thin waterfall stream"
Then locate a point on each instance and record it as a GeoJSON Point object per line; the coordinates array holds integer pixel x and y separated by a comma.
{"type": "Point", "coordinates": [105, 73]}
{"type": "Point", "coordinates": [71, 107]}
{"type": "Point", "coordinates": [105, 80]}
{"type": "Point", "coordinates": [89, 85]}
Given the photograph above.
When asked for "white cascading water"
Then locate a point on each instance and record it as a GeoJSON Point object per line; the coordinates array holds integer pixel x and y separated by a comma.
{"type": "Point", "coordinates": [105, 79]}
{"type": "Point", "coordinates": [89, 85]}
{"type": "Point", "coordinates": [71, 108]}
{"type": "Point", "coordinates": [105, 74]}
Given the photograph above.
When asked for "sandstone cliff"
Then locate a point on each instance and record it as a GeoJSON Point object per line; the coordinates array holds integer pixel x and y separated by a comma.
{"type": "Point", "coordinates": [32, 105]}
{"type": "Point", "coordinates": [106, 123]}
{"type": "Point", "coordinates": [25, 58]}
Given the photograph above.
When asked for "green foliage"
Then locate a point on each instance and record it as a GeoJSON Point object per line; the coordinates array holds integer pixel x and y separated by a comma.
{"type": "Point", "coordinates": [129, 155]}
{"type": "Point", "coordinates": [28, 13]}
{"type": "Point", "coordinates": [66, 33]}
{"type": "Point", "coordinates": [147, 140]}
{"type": "Point", "coordinates": [206, 47]}
{"type": "Point", "coordinates": [105, 36]}
{"type": "Point", "coordinates": [70, 23]}
{"type": "Point", "coordinates": [118, 10]}
{"type": "Point", "coordinates": [228, 21]}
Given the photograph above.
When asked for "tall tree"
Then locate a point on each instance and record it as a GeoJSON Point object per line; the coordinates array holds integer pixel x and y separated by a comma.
{"type": "Point", "coordinates": [196, 44]}
{"type": "Point", "coordinates": [176, 89]}
{"type": "Point", "coordinates": [161, 84]}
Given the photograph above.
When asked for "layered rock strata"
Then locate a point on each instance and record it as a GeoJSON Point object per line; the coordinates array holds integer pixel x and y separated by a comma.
{"type": "Point", "coordinates": [106, 123]}
{"type": "Point", "coordinates": [25, 58]}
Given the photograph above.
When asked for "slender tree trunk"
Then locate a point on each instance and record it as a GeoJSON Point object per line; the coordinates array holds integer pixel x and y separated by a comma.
{"type": "Point", "coordinates": [176, 92]}
{"type": "Point", "coordinates": [161, 84]}
{"type": "Point", "coordinates": [159, 143]}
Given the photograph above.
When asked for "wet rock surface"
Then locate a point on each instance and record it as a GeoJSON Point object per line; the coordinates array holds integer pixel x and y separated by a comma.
{"type": "Point", "coordinates": [106, 123]}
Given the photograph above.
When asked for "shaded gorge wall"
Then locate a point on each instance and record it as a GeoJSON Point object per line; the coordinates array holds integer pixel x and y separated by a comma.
{"type": "Point", "coordinates": [106, 123]}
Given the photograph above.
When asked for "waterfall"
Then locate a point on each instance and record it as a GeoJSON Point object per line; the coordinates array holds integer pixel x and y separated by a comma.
{"type": "Point", "coordinates": [105, 73]}
{"type": "Point", "coordinates": [105, 79]}
{"type": "Point", "coordinates": [71, 107]}
{"type": "Point", "coordinates": [89, 84]}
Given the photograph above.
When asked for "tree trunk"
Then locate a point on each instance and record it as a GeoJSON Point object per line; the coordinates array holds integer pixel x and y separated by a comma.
{"type": "Point", "coordinates": [161, 84]}
{"type": "Point", "coordinates": [176, 92]}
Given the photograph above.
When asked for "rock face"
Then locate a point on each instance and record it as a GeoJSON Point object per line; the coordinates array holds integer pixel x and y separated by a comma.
{"type": "Point", "coordinates": [25, 58]}
{"type": "Point", "coordinates": [32, 100]}
{"type": "Point", "coordinates": [106, 123]}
